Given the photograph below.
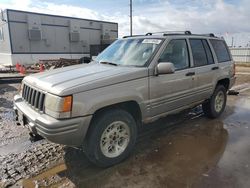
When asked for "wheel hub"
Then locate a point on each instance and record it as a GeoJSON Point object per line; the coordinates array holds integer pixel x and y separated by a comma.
{"type": "Point", "coordinates": [115, 139]}
{"type": "Point", "coordinates": [219, 101]}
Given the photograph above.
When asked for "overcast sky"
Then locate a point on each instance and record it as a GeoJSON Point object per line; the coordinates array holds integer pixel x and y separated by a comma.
{"type": "Point", "coordinates": [228, 18]}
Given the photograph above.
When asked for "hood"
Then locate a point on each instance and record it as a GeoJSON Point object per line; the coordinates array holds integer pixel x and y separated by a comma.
{"type": "Point", "coordinates": [84, 77]}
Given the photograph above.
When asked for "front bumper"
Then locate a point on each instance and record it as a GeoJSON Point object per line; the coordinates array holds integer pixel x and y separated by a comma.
{"type": "Point", "coordinates": [66, 131]}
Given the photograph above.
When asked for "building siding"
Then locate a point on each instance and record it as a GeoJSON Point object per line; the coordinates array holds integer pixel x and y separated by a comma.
{"type": "Point", "coordinates": [55, 35]}
{"type": "Point", "coordinates": [241, 55]}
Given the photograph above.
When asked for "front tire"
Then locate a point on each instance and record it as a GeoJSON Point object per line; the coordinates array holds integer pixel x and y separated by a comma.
{"type": "Point", "coordinates": [111, 137]}
{"type": "Point", "coordinates": [214, 107]}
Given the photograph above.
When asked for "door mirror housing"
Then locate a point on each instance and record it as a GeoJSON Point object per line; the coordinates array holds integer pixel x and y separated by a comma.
{"type": "Point", "coordinates": [165, 68]}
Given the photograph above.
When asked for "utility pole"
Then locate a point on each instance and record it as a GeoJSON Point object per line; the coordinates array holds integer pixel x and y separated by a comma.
{"type": "Point", "coordinates": [131, 22]}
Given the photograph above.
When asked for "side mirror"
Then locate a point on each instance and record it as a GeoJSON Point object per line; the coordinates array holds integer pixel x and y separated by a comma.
{"type": "Point", "coordinates": [93, 58]}
{"type": "Point", "coordinates": [85, 60]}
{"type": "Point", "coordinates": [165, 68]}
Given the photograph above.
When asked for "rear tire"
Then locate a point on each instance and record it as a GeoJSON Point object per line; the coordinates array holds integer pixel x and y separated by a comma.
{"type": "Point", "coordinates": [111, 137]}
{"type": "Point", "coordinates": [214, 107]}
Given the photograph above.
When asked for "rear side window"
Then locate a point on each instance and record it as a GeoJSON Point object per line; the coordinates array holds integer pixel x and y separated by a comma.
{"type": "Point", "coordinates": [221, 50]}
{"type": "Point", "coordinates": [199, 53]}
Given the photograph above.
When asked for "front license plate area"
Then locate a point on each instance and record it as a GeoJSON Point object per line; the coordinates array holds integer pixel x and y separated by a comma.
{"type": "Point", "coordinates": [21, 118]}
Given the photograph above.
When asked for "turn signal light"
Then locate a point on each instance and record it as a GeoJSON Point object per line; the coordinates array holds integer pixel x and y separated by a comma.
{"type": "Point", "coordinates": [67, 104]}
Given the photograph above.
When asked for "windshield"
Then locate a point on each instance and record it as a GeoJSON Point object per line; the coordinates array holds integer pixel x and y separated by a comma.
{"type": "Point", "coordinates": [129, 52]}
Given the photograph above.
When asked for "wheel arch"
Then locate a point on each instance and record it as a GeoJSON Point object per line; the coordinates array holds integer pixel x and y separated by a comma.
{"type": "Point", "coordinates": [225, 82]}
{"type": "Point", "coordinates": [130, 106]}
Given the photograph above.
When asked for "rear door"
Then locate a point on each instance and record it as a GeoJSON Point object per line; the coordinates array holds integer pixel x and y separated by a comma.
{"type": "Point", "coordinates": [224, 58]}
{"type": "Point", "coordinates": [169, 92]}
{"type": "Point", "coordinates": [204, 67]}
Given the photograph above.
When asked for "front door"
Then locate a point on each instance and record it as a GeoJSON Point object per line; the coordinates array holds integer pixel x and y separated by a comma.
{"type": "Point", "coordinates": [169, 92]}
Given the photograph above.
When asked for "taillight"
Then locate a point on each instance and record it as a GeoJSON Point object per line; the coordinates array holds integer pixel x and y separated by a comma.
{"type": "Point", "coordinates": [234, 69]}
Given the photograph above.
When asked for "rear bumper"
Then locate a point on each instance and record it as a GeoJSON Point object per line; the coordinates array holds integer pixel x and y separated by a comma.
{"type": "Point", "coordinates": [232, 82]}
{"type": "Point", "coordinates": [66, 131]}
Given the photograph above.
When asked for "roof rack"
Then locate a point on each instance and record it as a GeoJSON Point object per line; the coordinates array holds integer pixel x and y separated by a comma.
{"type": "Point", "coordinates": [163, 33]}
{"type": "Point", "coordinates": [166, 33]}
{"type": "Point", "coordinates": [171, 32]}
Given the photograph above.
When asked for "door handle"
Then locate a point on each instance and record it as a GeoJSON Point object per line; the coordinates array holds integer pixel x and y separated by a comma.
{"type": "Point", "coordinates": [214, 68]}
{"type": "Point", "coordinates": [190, 74]}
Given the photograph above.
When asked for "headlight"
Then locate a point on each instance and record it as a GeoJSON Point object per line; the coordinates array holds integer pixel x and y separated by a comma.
{"type": "Point", "coordinates": [58, 107]}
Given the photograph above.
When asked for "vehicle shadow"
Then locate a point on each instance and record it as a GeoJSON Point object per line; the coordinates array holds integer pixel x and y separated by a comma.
{"type": "Point", "coordinates": [170, 152]}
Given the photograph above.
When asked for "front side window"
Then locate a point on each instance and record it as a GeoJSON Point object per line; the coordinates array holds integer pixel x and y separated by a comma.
{"type": "Point", "coordinates": [221, 50]}
{"type": "Point", "coordinates": [129, 52]}
{"type": "Point", "coordinates": [1, 34]}
{"type": "Point", "coordinates": [176, 52]}
{"type": "Point", "coordinates": [199, 53]}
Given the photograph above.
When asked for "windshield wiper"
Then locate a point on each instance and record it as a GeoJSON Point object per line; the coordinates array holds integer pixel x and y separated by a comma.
{"type": "Point", "coordinates": [109, 63]}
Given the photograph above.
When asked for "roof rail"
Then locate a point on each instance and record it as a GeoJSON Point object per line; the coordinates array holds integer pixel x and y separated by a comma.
{"type": "Point", "coordinates": [170, 32]}
{"type": "Point", "coordinates": [166, 33]}
{"type": "Point", "coordinates": [163, 33]}
{"type": "Point", "coordinates": [208, 35]}
{"type": "Point", "coordinates": [132, 36]}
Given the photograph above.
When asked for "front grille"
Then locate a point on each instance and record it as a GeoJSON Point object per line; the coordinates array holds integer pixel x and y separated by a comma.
{"type": "Point", "coordinates": [33, 97]}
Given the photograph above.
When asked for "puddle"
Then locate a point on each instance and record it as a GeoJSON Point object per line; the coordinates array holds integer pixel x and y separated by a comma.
{"type": "Point", "coordinates": [31, 183]}
{"type": "Point", "coordinates": [241, 111]}
{"type": "Point", "coordinates": [164, 159]}
{"type": "Point", "coordinates": [233, 169]}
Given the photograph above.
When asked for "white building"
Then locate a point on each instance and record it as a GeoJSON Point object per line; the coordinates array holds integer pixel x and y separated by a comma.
{"type": "Point", "coordinates": [26, 37]}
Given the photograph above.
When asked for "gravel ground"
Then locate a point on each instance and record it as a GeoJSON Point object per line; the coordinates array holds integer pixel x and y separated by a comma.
{"type": "Point", "coordinates": [8, 129]}
{"type": "Point", "coordinates": [19, 158]}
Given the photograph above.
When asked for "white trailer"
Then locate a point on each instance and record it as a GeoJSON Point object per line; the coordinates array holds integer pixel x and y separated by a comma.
{"type": "Point", "coordinates": [27, 37]}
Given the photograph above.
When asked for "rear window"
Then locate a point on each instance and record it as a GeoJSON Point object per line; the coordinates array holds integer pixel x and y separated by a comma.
{"type": "Point", "coordinates": [221, 50]}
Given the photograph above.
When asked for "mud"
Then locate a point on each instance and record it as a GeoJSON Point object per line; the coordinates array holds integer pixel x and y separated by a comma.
{"type": "Point", "coordinates": [19, 158]}
{"type": "Point", "coordinates": [242, 75]}
{"type": "Point", "coordinates": [185, 150]}
{"type": "Point", "coordinates": [189, 153]}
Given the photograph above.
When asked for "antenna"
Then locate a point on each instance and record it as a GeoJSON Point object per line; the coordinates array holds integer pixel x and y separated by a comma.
{"type": "Point", "coordinates": [131, 17]}
{"type": "Point", "coordinates": [2, 16]}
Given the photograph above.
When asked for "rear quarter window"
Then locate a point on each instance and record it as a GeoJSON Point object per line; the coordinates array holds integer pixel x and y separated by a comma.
{"type": "Point", "coordinates": [221, 50]}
